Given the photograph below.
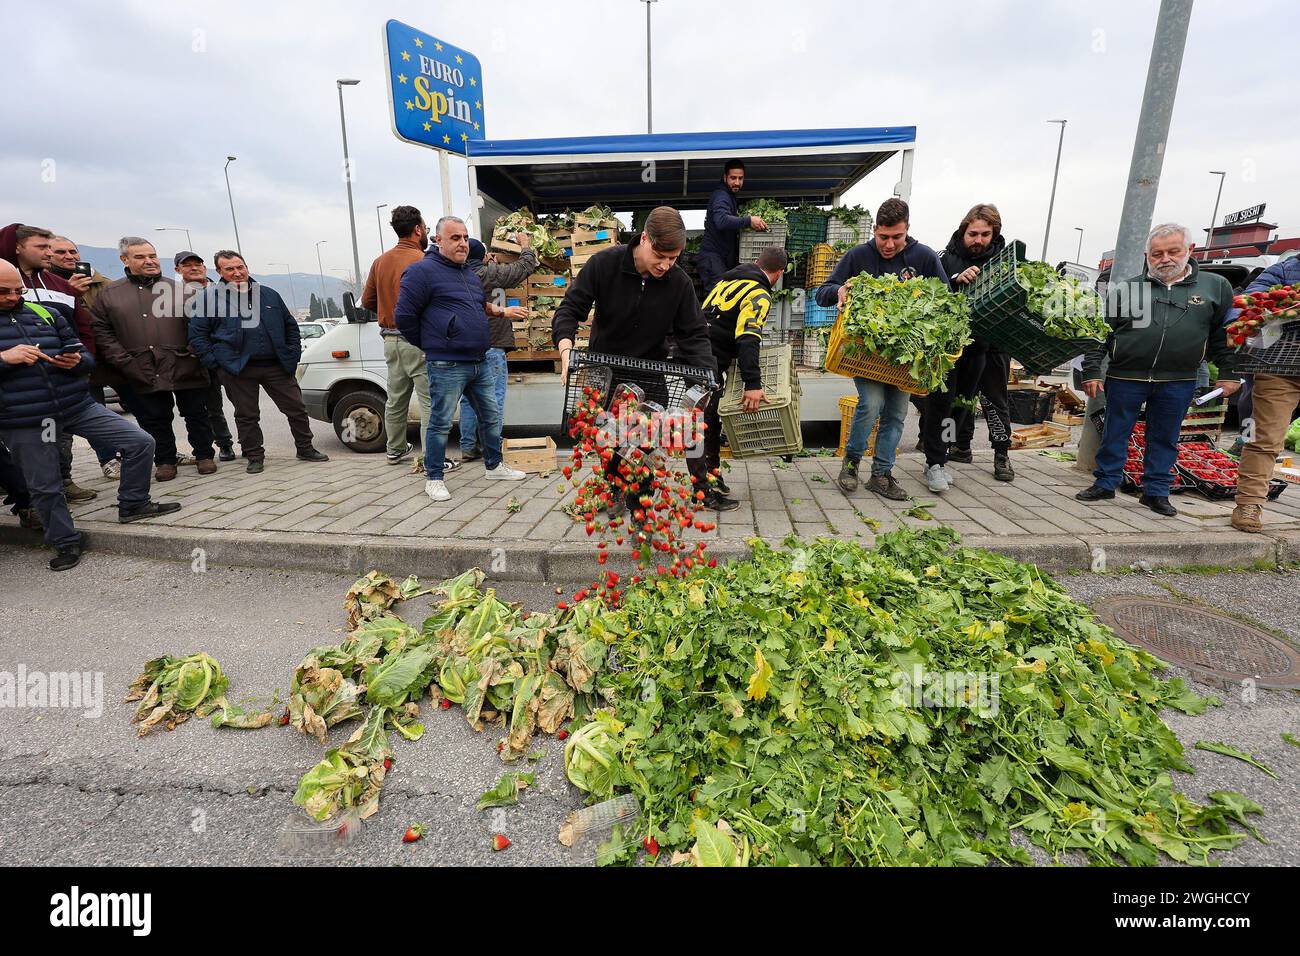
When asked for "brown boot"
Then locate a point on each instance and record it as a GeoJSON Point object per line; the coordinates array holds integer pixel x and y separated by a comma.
{"type": "Point", "coordinates": [207, 466]}
{"type": "Point", "coordinates": [1248, 518]}
{"type": "Point", "coordinates": [164, 473]}
{"type": "Point", "coordinates": [74, 492]}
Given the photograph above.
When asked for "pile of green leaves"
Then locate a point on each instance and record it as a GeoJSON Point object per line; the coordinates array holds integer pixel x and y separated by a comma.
{"type": "Point", "coordinates": [171, 690]}
{"type": "Point", "coordinates": [1069, 309]}
{"type": "Point", "coordinates": [597, 211]}
{"type": "Point", "coordinates": [774, 695]}
{"type": "Point", "coordinates": [919, 323]}
{"type": "Point", "coordinates": [522, 220]}
{"type": "Point", "coordinates": [769, 210]}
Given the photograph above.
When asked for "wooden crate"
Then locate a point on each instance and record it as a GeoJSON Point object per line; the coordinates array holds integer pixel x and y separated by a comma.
{"type": "Point", "coordinates": [581, 222]}
{"type": "Point", "coordinates": [546, 284]}
{"type": "Point", "coordinates": [1040, 436]}
{"type": "Point", "coordinates": [536, 456]}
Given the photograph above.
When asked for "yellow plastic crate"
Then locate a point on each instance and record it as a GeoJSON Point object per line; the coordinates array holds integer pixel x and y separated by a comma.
{"type": "Point", "coordinates": [848, 406]}
{"type": "Point", "coordinates": [866, 366]}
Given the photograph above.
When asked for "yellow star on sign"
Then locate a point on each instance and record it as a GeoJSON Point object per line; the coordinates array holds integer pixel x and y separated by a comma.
{"type": "Point", "coordinates": [476, 126]}
{"type": "Point", "coordinates": [437, 46]}
{"type": "Point", "coordinates": [478, 105]}
{"type": "Point", "coordinates": [410, 105]}
{"type": "Point", "coordinates": [426, 127]}
{"type": "Point", "coordinates": [419, 42]}
{"type": "Point", "coordinates": [446, 139]}
{"type": "Point", "coordinates": [405, 55]}
{"type": "Point", "coordinates": [473, 82]}
{"type": "Point", "coordinates": [458, 58]}
{"type": "Point", "coordinates": [401, 77]}
{"type": "Point", "coordinates": [464, 137]}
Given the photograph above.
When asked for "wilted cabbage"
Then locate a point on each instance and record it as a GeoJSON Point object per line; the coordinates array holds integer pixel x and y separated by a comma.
{"type": "Point", "coordinates": [172, 689]}
{"type": "Point", "coordinates": [591, 754]}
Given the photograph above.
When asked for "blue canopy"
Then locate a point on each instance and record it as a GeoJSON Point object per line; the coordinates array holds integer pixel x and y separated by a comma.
{"type": "Point", "coordinates": [637, 171]}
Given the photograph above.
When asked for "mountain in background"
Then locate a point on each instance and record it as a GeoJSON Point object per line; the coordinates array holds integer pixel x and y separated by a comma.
{"type": "Point", "coordinates": [304, 283]}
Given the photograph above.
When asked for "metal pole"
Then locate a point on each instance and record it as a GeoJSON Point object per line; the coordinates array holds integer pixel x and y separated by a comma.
{"type": "Point", "coordinates": [324, 311]}
{"type": "Point", "coordinates": [379, 222]}
{"type": "Point", "coordinates": [1209, 239]}
{"type": "Point", "coordinates": [1078, 256]}
{"type": "Point", "coordinates": [1144, 171]}
{"type": "Point", "coordinates": [649, 86]}
{"type": "Point", "coordinates": [231, 197]}
{"type": "Point", "coordinates": [347, 174]}
{"type": "Point", "coordinates": [293, 296]}
{"type": "Point", "coordinates": [444, 173]}
{"type": "Point", "coordinates": [189, 242]}
{"type": "Point", "coordinates": [1052, 202]}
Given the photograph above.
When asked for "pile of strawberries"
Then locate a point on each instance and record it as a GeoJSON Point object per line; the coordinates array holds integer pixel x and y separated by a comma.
{"type": "Point", "coordinates": [1279, 303]}
{"type": "Point", "coordinates": [662, 503]}
{"type": "Point", "coordinates": [1204, 461]}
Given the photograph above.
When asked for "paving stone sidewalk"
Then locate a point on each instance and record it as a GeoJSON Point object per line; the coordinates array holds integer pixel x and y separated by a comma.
{"type": "Point", "coordinates": [358, 500]}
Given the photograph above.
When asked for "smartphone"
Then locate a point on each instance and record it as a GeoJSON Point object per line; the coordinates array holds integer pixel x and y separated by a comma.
{"type": "Point", "coordinates": [84, 269]}
{"type": "Point", "coordinates": [69, 349]}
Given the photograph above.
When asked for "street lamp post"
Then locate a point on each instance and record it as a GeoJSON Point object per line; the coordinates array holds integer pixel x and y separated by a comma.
{"type": "Point", "coordinates": [189, 243]}
{"type": "Point", "coordinates": [321, 267]}
{"type": "Point", "coordinates": [649, 114]}
{"type": "Point", "coordinates": [347, 174]}
{"type": "Point", "coordinates": [1209, 239]}
{"type": "Point", "coordinates": [293, 296]}
{"type": "Point", "coordinates": [380, 223]}
{"type": "Point", "coordinates": [231, 197]}
{"type": "Point", "coordinates": [1052, 202]}
{"type": "Point", "coordinates": [1078, 256]}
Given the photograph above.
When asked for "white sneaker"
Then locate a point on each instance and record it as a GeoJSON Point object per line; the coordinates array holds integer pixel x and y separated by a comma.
{"type": "Point", "coordinates": [437, 490]}
{"type": "Point", "coordinates": [113, 470]}
{"type": "Point", "coordinates": [947, 475]}
{"type": "Point", "coordinates": [935, 480]}
{"type": "Point", "coordinates": [504, 472]}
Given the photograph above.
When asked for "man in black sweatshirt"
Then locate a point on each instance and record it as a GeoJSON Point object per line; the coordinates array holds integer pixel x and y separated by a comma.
{"type": "Point", "coordinates": [949, 419]}
{"type": "Point", "coordinates": [890, 252]}
{"type": "Point", "coordinates": [736, 309]}
{"type": "Point", "coordinates": [641, 299]}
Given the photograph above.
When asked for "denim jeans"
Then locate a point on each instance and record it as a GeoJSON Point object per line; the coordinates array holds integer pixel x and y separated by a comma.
{"type": "Point", "coordinates": [889, 404]}
{"type": "Point", "coordinates": [448, 381]}
{"type": "Point", "coordinates": [495, 360]}
{"type": "Point", "coordinates": [1167, 404]}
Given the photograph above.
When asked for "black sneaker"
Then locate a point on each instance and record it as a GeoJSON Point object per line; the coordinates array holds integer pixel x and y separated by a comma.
{"type": "Point", "coordinates": [1160, 506]}
{"type": "Point", "coordinates": [721, 485]}
{"type": "Point", "coordinates": [150, 509]}
{"type": "Point", "coordinates": [396, 458]}
{"type": "Point", "coordinates": [885, 486]}
{"type": "Point", "coordinates": [474, 454]}
{"type": "Point", "coordinates": [1095, 494]}
{"type": "Point", "coordinates": [255, 466]}
{"type": "Point", "coordinates": [716, 501]}
{"type": "Point", "coordinates": [1002, 470]}
{"type": "Point", "coordinates": [963, 456]}
{"type": "Point", "coordinates": [67, 558]}
{"type": "Point", "coordinates": [311, 454]}
{"type": "Point", "coordinates": [848, 478]}
{"type": "Point", "coordinates": [226, 452]}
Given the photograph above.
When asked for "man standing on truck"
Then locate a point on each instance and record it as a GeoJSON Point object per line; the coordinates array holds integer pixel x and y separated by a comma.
{"type": "Point", "coordinates": [891, 251]}
{"type": "Point", "coordinates": [720, 248]}
{"type": "Point", "coordinates": [443, 311]}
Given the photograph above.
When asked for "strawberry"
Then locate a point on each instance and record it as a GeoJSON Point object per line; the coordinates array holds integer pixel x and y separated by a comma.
{"type": "Point", "coordinates": [499, 842]}
{"type": "Point", "coordinates": [445, 704]}
{"type": "Point", "coordinates": [284, 718]}
{"type": "Point", "coordinates": [651, 845]}
{"type": "Point", "coordinates": [388, 764]}
{"type": "Point", "coordinates": [413, 833]}
{"type": "Point", "coordinates": [562, 735]}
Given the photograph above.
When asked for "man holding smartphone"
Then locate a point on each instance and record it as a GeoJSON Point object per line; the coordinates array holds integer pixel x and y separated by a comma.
{"type": "Point", "coordinates": [43, 394]}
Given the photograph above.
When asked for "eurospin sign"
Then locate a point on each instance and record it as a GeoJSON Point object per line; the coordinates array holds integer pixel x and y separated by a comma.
{"type": "Point", "coordinates": [435, 90]}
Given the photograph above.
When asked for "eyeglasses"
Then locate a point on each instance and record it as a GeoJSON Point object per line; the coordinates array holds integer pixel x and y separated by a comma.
{"type": "Point", "coordinates": [20, 291]}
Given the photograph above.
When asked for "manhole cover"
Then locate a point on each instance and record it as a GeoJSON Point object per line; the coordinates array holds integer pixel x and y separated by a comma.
{"type": "Point", "coordinates": [1203, 640]}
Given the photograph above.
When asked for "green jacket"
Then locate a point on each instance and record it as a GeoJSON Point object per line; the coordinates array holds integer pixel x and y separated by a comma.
{"type": "Point", "coordinates": [1161, 334]}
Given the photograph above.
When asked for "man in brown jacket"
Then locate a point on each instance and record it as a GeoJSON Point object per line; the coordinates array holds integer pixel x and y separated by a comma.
{"type": "Point", "coordinates": [406, 365]}
{"type": "Point", "coordinates": [141, 330]}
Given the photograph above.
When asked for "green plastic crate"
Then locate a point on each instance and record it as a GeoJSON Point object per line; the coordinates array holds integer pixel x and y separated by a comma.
{"type": "Point", "coordinates": [805, 230]}
{"type": "Point", "coordinates": [1000, 316]}
{"type": "Point", "coordinates": [774, 429]}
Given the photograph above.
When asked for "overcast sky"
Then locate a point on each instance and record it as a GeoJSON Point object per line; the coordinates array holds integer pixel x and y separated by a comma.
{"type": "Point", "coordinates": [125, 112]}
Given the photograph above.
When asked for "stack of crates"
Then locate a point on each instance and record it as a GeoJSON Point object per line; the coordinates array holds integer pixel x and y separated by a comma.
{"type": "Point", "coordinates": [589, 236]}
{"type": "Point", "coordinates": [805, 228]}
{"type": "Point", "coordinates": [839, 232]}
{"type": "Point", "coordinates": [774, 428]}
{"type": "Point", "coordinates": [752, 242]}
{"type": "Point", "coordinates": [545, 291]}
{"type": "Point", "coordinates": [821, 263]}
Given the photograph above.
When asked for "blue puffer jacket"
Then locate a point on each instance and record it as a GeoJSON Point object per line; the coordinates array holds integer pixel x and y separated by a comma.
{"type": "Point", "coordinates": [32, 394]}
{"type": "Point", "coordinates": [219, 315]}
{"type": "Point", "coordinates": [440, 309]}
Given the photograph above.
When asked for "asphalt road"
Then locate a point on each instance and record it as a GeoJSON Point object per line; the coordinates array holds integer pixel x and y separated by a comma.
{"type": "Point", "coordinates": [79, 790]}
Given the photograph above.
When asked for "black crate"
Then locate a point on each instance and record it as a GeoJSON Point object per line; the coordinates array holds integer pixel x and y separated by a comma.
{"type": "Point", "coordinates": [663, 382]}
{"type": "Point", "coordinates": [1280, 358]}
{"type": "Point", "coordinates": [1029, 406]}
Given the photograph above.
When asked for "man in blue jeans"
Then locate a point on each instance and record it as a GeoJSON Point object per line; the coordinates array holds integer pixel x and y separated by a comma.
{"type": "Point", "coordinates": [890, 252]}
{"type": "Point", "coordinates": [44, 395]}
{"type": "Point", "coordinates": [1164, 323]}
{"type": "Point", "coordinates": [442, 310]}
{"type": "Point", "coordinates": [496, 278]}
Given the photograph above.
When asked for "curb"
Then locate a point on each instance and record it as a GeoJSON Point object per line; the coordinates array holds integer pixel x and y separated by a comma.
{"type": "Point", "coordinates": [570, 563]}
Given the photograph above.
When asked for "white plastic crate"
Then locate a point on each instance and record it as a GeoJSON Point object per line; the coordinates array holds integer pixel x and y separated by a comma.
{"type": "Point", "coordinates": [752, 242]}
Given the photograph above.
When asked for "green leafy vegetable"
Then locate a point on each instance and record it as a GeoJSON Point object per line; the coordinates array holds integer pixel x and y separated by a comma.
{"type": "Point", "coordinates": [1227, 750]}
{"type": "Point", "coordinates": [769, 210]}
{"type": "Point", "coordinates": [918, 323]}
{"type": "Point", "coordinates": [171, 690]}
{"type": "Point", "coordinates": [1068, 308]}
{"type": "Point", "coordinates": [506, 792]}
